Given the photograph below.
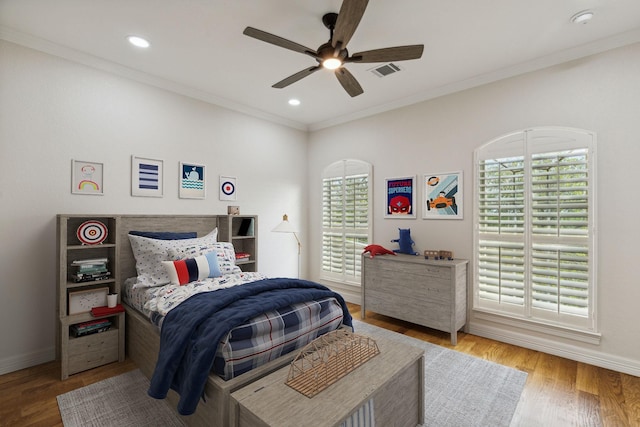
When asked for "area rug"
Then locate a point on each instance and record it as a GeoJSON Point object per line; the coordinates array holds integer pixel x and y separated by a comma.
{"type": "Point", "coordinates": [120, 401]}
{"type": "Point", "coordinates": [461, 390]}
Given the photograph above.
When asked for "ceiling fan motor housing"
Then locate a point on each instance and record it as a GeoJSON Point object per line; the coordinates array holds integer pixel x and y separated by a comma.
{"type": "Point", "coordinates": [327, 51]}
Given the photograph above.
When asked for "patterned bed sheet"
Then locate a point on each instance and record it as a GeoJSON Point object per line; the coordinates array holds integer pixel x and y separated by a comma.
{"type": "Point", "coordinates": [262, 339]}
{"type": "Point", "coordinates": [155, 302]}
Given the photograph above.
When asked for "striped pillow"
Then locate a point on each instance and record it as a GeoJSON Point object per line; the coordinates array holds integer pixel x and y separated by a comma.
{"type": "Point", "coordinates": [190, 270]}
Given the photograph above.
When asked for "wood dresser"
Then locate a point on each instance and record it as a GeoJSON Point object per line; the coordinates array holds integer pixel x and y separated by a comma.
{"type": "Point", "coordinates": [431, 293]}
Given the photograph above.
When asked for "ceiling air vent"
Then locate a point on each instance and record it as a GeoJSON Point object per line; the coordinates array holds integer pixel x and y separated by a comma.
{"type": "Point", "coordinates": [385, 70]}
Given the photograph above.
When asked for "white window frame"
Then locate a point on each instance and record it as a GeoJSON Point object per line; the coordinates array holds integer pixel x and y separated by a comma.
{"type": "Point", "coordinates": [350, 270]}
{"type": "Point", "coordinates": [524, 236]}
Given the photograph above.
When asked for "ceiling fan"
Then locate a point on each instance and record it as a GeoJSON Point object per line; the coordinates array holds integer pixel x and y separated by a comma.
{"type": "Point", "coordinates": [334, 54]}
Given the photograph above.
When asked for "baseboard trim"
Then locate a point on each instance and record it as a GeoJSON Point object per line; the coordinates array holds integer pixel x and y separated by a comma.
{"type": "Point", "coordinates": [350, 293]}
{"type": "Point", "coordinates": [22, 361]}
{"type": "Point", "coordinates": [579, 354]}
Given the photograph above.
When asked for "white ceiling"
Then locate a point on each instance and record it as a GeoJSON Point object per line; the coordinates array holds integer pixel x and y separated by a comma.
{"type": "Point", "coordinates": [198, 48]}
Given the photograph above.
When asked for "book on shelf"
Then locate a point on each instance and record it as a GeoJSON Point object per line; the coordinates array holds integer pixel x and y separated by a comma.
{"type": "Point", "coordinates": [90, 261]}
{"type": "Point", "coordinates": [243, 255]}
{"type": "Point", "coordinates": [90, 327]}
{"type": "Point", "coordinates": [246, 227]}
{"type": "Point", "coordinates": [105, 311]}
{"type": "Point", "coordinates": [81, 277]}
{"type": "Point", "coordinates": [88, 270]}
{"type": "Point", "coordinates": [91, 270]}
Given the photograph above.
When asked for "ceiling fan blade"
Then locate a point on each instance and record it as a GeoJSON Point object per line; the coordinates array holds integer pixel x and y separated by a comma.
{"type": "Point", "coordinates": [297, 76]}
{"type": "Point", "coordinates": [348, 82]}
{"type": "Point", "coordinates": [278, 41]}
{"type": "Point", "coordinates": [349, 17]}
{"type": "Point", "coordinates": [398, 53]}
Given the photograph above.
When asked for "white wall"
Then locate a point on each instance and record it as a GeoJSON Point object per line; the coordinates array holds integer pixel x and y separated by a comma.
{"type": "Point", "coordinates": [599, 93]}
{"type": "Point", "coordinates": [53, 110]}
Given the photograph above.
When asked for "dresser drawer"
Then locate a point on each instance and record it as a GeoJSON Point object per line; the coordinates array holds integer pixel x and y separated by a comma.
{"type": "Point", "coordinates": [411, 281]}
{"type": "Point", "coordinates": [412, 266]}
{"type": "Point", "coordinates": [92, 350]}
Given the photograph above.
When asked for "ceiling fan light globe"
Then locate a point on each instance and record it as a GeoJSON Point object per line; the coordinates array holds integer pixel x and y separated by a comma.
{"type": "Point", "coordinates": [331, 63]}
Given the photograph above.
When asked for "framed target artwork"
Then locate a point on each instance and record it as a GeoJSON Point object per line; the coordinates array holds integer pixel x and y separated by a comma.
{"type": "Point", "coordinates": [86, 178]}
{"type": "Point", "coordinates": [92, 232]}
{"type": "Point", "coordinates": [228, 190]}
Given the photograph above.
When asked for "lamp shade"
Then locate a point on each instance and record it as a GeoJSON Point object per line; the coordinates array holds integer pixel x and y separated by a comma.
{"type": "Point", "coordinates": [285, 226]}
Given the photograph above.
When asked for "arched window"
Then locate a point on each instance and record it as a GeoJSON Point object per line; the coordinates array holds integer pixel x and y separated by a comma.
{"type": "Point", "coordinates": [534, 242]}
{"type": "Point", "coordinates": [346, 219]}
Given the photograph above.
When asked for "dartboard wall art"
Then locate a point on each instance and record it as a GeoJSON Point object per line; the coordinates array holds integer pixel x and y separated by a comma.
{"type": "Point", "coordinates": [92, 232]}
{"type": "Point", "coordinates": [227, 188]}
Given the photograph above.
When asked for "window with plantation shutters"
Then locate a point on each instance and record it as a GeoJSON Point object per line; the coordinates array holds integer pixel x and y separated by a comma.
{"type": "Point", "coordinates": [534, 238]}
{"type": "Point", "coordinates": [345, 219]}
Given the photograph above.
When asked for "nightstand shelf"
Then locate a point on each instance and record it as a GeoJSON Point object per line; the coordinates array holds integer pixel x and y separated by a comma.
{"type": "Point", "coordinates": [242, 231]}
{"type": "Point", "coordinates": [77, 354]}
{"type": "Point", "coordinates": [105, 282]}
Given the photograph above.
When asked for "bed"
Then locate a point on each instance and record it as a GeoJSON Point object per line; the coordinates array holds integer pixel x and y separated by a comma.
{"type": "Point", "coordinates": [144, 318]}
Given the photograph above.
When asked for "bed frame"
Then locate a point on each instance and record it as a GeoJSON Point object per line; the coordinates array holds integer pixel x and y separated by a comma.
{"type": "Point", "coordinates": [143, 338]}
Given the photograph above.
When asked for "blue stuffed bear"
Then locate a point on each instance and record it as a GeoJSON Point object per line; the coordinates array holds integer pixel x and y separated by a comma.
{"type": "Point", "coordinates": [405, 242]}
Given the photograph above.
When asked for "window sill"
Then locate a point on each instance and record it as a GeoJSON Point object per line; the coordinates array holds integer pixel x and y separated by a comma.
{"type": "Point", "coordinates": [539, 327]}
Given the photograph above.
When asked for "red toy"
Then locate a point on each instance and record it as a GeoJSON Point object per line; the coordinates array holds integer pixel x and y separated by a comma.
{"type": "Point", "coordinates": [377, 250]}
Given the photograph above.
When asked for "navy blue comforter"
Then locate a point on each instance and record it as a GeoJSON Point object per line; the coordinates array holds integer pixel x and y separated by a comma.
{"type": "Point", "coordinates": [191, 332]}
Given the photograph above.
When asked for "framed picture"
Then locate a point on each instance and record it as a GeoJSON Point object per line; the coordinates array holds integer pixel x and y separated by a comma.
{"type": "Point", "coordinates": [83, 301]}
{"type": "Point", "coordinates": [442, 195]}
{"type": "Point", "coordinates": [228, 189]}
{"type": "Point", "coordinates": [146, 177]}
{"type": "Point", "coordinates": [400, 196]}
{"type": "Point", "coordinates": [192, 181]}
{"type": "Point", "coordinates": [86, 177]}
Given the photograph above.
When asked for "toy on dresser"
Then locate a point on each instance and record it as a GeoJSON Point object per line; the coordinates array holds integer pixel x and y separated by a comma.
{"type": "Point", "coordinates": [405, 242]}
{"type": "Point", "coordinates": [374, 250]}
{"type": "Point", "coordinates": [431, 254]}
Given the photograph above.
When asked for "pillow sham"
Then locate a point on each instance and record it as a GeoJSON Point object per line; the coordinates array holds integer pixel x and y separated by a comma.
{"type": "Point", "coordinates": [189, 270]}
{"type": "Point", "coordinates": [149, 254]}
{"type": "Point", "coordinates": [225, 253]}
{"type": "Point", "coordinates": [165, 235]}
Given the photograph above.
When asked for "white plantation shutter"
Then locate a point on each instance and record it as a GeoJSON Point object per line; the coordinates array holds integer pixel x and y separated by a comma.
{"type": "Point", "coordinates": [345, 219]}
{"type": "Point", "coordinates": [535, 234]}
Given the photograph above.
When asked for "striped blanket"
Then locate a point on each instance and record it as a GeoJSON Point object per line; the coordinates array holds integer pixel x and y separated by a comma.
{"type": "Point", "coordinates": [186, 354]}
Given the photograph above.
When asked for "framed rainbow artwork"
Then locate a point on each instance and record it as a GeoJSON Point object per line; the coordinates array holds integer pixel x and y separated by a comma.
{"type": "Point", "coordinates": [87, 177]}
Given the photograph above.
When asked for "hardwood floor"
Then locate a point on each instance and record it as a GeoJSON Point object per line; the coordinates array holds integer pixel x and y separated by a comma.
{"type": "Point", "coordinates": [558, 392]}
{"type": "Point", "coordinates": [28, 396]}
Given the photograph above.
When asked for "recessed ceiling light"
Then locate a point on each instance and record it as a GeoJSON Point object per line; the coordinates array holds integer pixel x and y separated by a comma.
{"type": "Point", "coordinates": [138, 41]}
{"type": "Point", "coordinates": [582, 17]}
{"type": "Point", "coordinates": [294, 102]}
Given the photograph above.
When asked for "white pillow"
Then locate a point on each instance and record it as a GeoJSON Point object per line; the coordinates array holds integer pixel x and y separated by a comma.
{"type": "Point", "coordinates": [149, 254]}
{"type": "Point", "coordinates": [225, 253]}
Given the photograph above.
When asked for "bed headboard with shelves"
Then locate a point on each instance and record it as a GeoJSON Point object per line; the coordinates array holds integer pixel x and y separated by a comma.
{"type": "Point", "coordinates": [201, 224]}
